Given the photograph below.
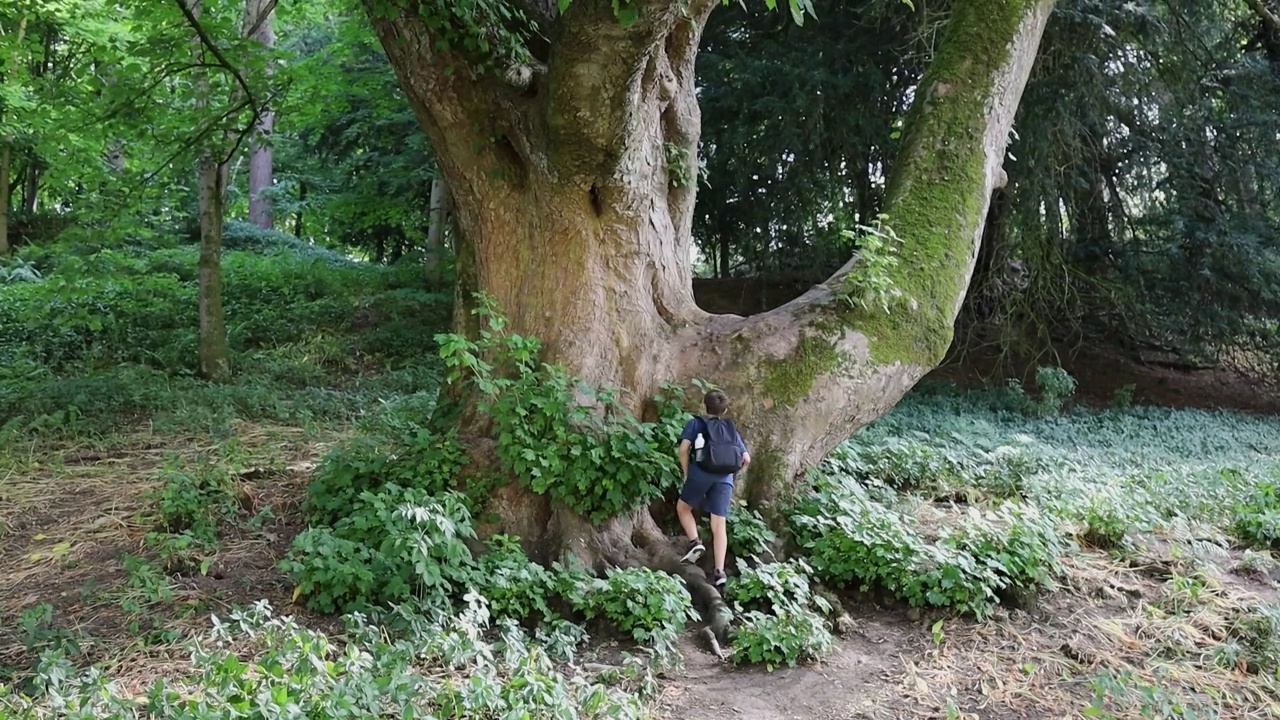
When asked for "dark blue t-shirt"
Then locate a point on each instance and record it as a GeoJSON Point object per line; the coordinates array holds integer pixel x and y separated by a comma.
{"type": "Point", "coordinates": [697, 474]}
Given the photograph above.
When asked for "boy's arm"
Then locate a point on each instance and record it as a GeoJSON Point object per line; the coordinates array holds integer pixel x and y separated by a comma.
{"type": "Point", "coordinates": [684, 457]}
{"type": "Point", "coordinates": [746, 456]}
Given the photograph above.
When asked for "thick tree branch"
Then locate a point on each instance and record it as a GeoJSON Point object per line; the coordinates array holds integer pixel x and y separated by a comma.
{"type": "Point", "coordinates": [476, 128]}
{"type": "Point", "coordinates": [827, 363]}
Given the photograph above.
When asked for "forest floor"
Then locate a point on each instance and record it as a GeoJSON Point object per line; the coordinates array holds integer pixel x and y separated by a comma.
{"type": "Point", "coordinates": [77, 572]}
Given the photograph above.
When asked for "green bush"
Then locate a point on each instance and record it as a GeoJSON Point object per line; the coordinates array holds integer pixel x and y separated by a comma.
{"type": "Point", "coordinates": [516, 587]}
{"type": "Point", "coordinates": [749, 534]}
{"type": "Point", "coordinates": [437, 666]}
{"type": "Point", "coordinates": [1257, 517]}
{"type": "Point", "coordinates": [414, 457]}
{"type": "Point", "coordinates": [597, 464]}
{"type": "Point", "coordinates": [650, 606]}
{"type": "Point", "coordinates": [854, 540]}
{"type": "Point", "coordinates": [395, 544]}
{"type": "Point", "coordinates": [789, 637]}
{"type": "Point", "coordinates": [774, 587]}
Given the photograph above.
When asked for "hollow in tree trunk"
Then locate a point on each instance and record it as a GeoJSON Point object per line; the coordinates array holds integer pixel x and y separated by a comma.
{"type": "Point", "coordinates": [569, 218]}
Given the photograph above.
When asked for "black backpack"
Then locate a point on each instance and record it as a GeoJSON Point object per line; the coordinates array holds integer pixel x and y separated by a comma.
{"type": "Point", "coordinates": [720, 455]}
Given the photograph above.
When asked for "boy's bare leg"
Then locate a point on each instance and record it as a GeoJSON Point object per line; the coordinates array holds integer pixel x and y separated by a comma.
{"type": "Point", "coordinates": [684, 511]}
{"type": "Point", "coordinates": [719, 540]}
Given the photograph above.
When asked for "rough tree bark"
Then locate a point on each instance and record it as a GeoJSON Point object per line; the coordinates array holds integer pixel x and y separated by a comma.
{"type": "Point", "coordinates": [569, 219]}
{"type": "Point", "coordinates": [259, 25]}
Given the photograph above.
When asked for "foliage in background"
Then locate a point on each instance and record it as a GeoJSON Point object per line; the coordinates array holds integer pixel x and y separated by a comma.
{"type": "Point", "coordinates": [1143, 187]}
{"type": "Point", "coordinates": [789, 166]}
{"type": "Point", "coordinates": [106, 336]}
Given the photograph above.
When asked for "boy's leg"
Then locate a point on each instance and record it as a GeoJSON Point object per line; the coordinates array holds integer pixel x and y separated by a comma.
{"type": "Point", "coordinates": [719, 497]}
{"type": "Point", "coordinates": [691, 493]}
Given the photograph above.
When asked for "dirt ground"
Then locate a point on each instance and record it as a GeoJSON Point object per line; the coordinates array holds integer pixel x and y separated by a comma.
{"type": "Point", "coordinates": [67, 521]}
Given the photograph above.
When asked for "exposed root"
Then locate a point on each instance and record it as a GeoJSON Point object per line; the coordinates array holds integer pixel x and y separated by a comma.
{"type": "Point", "coordinates": [713, 611]}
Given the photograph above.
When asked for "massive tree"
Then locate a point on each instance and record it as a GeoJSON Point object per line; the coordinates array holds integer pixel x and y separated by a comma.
{"type": "Point", "coordinates": [563, 137]}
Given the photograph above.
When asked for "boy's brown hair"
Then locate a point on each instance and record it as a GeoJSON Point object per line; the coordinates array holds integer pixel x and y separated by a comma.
{"type": "Point", "coordinates": [716, 402]}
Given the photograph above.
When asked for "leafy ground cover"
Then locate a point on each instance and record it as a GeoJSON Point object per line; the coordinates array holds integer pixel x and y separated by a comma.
{"type": "Point", "coordinates": [991, 553]}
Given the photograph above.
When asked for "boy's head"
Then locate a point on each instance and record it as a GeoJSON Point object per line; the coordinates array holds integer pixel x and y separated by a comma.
{"type": "Point", "coordinates": [716, 402]}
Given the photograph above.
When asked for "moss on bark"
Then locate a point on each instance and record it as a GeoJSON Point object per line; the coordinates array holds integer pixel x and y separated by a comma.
{"type": "Point", "coordinates": [938, 190]}
{"type": "Point", "coordinates": [787, 381]}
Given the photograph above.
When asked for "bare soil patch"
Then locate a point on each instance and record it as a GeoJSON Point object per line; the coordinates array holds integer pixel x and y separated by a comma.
{"type": "Point", "coordinates": [71, 518]}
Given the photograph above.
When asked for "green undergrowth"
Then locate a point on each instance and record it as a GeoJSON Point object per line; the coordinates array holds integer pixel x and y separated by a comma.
{"type": "Point", "coordinates": [96, 337]}
{"type": "Point", "coordinates": [966, 499]}
{"type": "Point", "coordinates": [388, 523]}
{"type": "Point", "coordinates": [402, 662]}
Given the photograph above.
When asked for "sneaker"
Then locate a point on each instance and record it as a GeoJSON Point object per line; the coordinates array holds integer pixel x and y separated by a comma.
{"type": "Point", "coordinates": [720, 579]}
{"type": "Point", "coordinates": [696, 548]}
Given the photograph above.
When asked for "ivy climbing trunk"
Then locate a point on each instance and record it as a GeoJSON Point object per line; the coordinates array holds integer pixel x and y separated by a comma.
{"type": "Point", "coordinates": [570, 177]}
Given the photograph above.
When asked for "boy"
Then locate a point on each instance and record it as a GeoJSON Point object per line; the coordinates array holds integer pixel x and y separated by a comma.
{"type": "Point", "coordinates": [718, 452]}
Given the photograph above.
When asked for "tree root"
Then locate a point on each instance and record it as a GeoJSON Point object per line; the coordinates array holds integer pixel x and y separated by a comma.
{"type": "Point", "coordinates": [713, 612]}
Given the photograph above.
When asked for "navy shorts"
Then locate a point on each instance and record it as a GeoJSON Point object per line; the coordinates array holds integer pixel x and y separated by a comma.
{"type": "Point", "coordinates": [707, 493]}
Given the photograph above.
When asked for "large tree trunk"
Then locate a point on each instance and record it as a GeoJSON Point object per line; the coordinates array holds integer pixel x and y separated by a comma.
{"type": "Point", "coordinates": [259, 21]}
{"type": "Point", "coordinates": [567, 218]}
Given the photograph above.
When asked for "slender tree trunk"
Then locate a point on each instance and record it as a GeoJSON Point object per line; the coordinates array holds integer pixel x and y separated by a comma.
{"type": "Point", "coordinates": [212, 174]}
{"type": "Point", "coordinates": [259, 24]}
{"type": "Point", "coordinates": [6, 161]}
{"type": "Point", "coordinates": [439, 219]}
{"type": "Point", "coordinates": [214, 363]}
{"type": "Point", "coordinates": [6, 158]}
{"type": "Point", "coordinates": [297, 219]}
{"type": "Point", "coordinates": [568, 219]}
{"type": "Point", "coordinates": [31, 185]}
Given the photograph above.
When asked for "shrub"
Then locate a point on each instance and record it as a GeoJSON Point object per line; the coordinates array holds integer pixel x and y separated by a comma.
{"type": "Point", "coordinates": [517, 588]}
{"type": "Point", "coordinates": [1257, 516]}
{"type": "Point", "coordinates": [396, 543]}
{"type": "Point", "coordinates": [437, 667]}
{"type": "Point", "coordinates": [789, 637]}
{"type": "Point", "coordinates": [414, 457]}
{"type": "Point", "coordinates": [651, 606]}
{"type": "Point", "coordinates": [194, 499]}
{"type": "Point", "coordinates": [593, 457]}
{"type": "Point", "coordinates": [776, 587]}
{"type": "Point", "coordinates": [853, 540]}
{"type": "Point", "coordinates": [749, 534]}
